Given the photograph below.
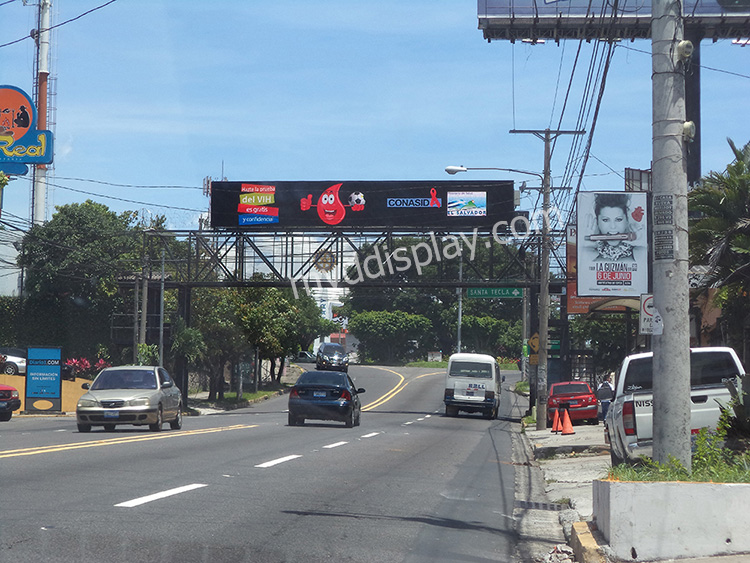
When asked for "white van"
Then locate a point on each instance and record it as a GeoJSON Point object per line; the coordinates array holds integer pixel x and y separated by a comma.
{"type": "Point", "coordinates": [472, 384]}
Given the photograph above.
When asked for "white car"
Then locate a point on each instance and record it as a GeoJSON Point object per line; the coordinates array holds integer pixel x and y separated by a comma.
{"type": "Point", "coordinates": [138, 395]}
{"type": "Point", "coordinates": [15, 360]}
{"type": "Point", "coordinates": [629, 422]}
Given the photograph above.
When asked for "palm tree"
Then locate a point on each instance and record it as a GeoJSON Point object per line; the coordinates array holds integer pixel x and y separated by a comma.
{"type": "Point", "coordinates": [720, 236]}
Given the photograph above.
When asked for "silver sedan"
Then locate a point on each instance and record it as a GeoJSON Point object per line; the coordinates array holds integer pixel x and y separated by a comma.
{"type": "Point", "coordinates": [136, 395]}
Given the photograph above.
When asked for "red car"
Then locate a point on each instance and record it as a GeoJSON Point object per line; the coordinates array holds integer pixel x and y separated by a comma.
{"type": "Point", "coordinates": [9, 402]}
{"type": "Point", "coordinates": [577, 397]}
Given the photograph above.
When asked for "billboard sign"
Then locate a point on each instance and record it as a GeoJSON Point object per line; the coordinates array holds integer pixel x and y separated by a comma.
{"type": "Point", "coordinates": [597, 19]}
{"type": "Point", "coordinates": [612, 244]}
{"type": "Point", "coordinates": [21, 143]}
{"type": "Point", "coordinates": [43, 380]}
{"type": "Point", "coordinates": [312, 205]}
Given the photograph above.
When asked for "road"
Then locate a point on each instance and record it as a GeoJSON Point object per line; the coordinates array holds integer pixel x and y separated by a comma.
{"type": "Point", "coordinates": [409, 485]}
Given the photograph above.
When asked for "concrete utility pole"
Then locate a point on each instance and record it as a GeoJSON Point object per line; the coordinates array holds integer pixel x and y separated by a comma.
{"type": "Point", "coordinates": [541, 379]}
{"type": "Point", "coordinates": [671, 364]}
{"type": "Point", "coordinates": [39, 194]}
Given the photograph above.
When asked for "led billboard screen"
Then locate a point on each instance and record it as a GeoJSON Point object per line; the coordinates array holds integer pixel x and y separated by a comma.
{"type": "Point", "coordinates": [361, 205]}
{"type": "Point", "coordinates": [597, 19]}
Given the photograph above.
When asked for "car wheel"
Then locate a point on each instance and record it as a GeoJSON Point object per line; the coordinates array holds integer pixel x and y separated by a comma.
{"type": "Point", "coordinates": [109, 427]}
{"type": "Point", "coordinates": [84, 427]}
{"type": "Point", "coordinates": [359, 418]}
{"type": "Point", "coordinates": [593, 421]}
{"type": "Point", "coordinates": [350, 419]}
{"type": "Point", "coordinates": [616, 459]}
{"type": "Point", "coordinates": [10, 369]}
{"type": "Point", "coordinates": [176, 424]}
{"type": "Point", "coordinates": [292, 420]}
{"type": "Point", "coordinates": [156, 427]}
{"type": "Point", "coordinates": [451, 411]}
{"type": "Point", "coordinates": [5, 416]}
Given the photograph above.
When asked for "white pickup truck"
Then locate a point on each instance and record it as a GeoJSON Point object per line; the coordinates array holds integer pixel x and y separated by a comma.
{"type": "Point", "coordinates": [629, 422]}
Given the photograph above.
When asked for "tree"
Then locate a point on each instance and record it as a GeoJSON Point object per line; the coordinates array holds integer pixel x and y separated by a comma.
{"type": "Point", "coordinates": [720, 239]}
{"type": "Point", "coordinates": [389, 336]}
{"type": "Point", "coordinates": [71, 266]}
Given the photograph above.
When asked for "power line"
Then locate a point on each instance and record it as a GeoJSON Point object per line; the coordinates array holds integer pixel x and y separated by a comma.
{"type": "Point", "coordinates": [35, 32]}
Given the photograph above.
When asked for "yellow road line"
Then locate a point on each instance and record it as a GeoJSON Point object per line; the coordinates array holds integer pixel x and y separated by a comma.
{"type": "Point", "coordinates": [395, 391]}
{"type": "Point", "coordinates": [117, 441]}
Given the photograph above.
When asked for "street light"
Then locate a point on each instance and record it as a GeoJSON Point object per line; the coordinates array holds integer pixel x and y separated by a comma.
{"type": "Point", "coordinates": [541, 384]}
{"type": "Point", "coordinates": [456, 169]}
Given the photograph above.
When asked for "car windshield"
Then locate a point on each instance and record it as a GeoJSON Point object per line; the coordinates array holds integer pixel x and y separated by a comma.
{"type": "Point", "coordinates": [125, 379]}
{"type": "Point", "coordinates": [571, 389]}
{"type": "Point", "coordinates": [706, 368]}
{"type": "Point", "coordinates": [471, 369]}
{"type": "Point", "coordinates": [318, 378]}
{"type": "Point", "coordinates": [332, 349]}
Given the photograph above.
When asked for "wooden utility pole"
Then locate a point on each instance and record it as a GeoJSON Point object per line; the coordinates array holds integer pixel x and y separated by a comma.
{"type": "Point", "coordinates": [541, 380]}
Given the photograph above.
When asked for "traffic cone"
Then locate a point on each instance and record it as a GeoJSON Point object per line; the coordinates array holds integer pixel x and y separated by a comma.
{"type": "Point", "coordinates": [567, 426]}
{"type": "Point", "coordinates": [556, 426]}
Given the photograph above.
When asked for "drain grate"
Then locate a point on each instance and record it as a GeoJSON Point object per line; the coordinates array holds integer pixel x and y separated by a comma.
{"type": "Point", "coordinates": [551, 506]}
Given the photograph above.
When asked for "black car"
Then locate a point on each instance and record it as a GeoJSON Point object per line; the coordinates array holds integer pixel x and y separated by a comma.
{"type": "Point", "coordinates": [332, 356]}
{"type": "Point", "coordinates": [322, 395]}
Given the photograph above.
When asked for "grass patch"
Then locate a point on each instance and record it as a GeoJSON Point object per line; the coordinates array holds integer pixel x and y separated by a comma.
{"type": "Point", "coordinates": [427, 364]}
{"type": "Point", "coordinates": [522, 387]}
{"type": "Point", "coordinates": [711, 463]}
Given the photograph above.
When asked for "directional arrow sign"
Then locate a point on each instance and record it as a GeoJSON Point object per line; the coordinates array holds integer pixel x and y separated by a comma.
{"type": "Point", "coordinates": [491, 292]}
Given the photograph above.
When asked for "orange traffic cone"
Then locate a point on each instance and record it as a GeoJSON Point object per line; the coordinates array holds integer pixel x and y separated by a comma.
{"type": "Point", "coordinates": [556, 426]}
{"type": "Point", "coordinates": [567, 426]}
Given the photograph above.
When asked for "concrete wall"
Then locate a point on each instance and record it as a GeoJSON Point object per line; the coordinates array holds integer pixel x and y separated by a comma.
{"type": "Point", "coordinates": [71, 391]}
{"type": "Point", "coordinates": [647, 521]}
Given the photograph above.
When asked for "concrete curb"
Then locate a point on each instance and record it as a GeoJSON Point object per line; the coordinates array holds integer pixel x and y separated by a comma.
{"type": "Point", "coordinates": [584, 544]}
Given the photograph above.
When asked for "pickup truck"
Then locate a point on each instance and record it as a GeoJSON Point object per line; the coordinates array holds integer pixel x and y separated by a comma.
{"type": "Point", "coordinates": [629, 422]}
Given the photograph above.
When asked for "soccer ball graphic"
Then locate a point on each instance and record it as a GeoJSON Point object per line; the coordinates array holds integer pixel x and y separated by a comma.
{"type": "Point", "coordinates": [357, 198]}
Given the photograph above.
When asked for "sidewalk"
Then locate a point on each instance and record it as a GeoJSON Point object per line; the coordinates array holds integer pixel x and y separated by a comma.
{"type": "Point", "coordinates": [568, 465]}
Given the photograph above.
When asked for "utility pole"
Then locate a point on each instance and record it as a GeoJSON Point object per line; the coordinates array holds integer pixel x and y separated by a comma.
{"type": "Point", "coordinates": [39, 194]}
{"type": "Point", "coordinates": [541, 381]}
{"type": "Point", "coordinates": [671, 342]}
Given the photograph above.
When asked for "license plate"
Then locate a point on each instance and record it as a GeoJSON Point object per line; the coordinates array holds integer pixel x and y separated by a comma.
{"type": "Point", "coordinates": [319, 393]}
{"type": "Point", "coordinates": [574, 404]}
{"type": "Point", "coordinates": [111, 414]}
{"type": "Point", "coordinates": [470, 393]}
{"type": "Point", "coordinates": [3, 404]}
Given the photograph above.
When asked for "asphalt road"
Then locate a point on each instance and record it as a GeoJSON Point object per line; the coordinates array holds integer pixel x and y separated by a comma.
{"type": "Point", "coordinates": [409, 485]}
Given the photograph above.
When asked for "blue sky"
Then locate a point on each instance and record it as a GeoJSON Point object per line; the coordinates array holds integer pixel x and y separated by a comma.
{"type": "Point", "coordinates": [162, 93]}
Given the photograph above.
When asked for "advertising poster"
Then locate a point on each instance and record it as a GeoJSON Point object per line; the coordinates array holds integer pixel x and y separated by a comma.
{"type": "Point", "coordinates": [44, 379]}
{"type": "Point", "coordinates": [612, 244]}
{"type": "Point", "coordinates": [361, 204]}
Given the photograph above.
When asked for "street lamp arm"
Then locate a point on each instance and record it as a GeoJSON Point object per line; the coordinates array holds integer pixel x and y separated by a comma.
{"type": "Point", "coordinates": [456, 169]}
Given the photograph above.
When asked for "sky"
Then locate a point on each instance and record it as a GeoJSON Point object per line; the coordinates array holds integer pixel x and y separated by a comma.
{"type": "Point", "coordinates": [153, 96]}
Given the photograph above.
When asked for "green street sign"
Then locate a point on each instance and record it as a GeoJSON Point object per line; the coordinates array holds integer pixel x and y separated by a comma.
{"type": "Point", "coordinates": [491, 292]}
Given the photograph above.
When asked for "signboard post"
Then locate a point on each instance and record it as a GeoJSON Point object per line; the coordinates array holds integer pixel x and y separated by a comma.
{"type": "Point", "coordinates": [44, 380]}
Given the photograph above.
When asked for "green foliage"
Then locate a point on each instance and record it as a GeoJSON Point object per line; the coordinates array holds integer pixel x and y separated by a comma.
{"type": "Point", "coordinates": [522, 387]}
{"type": "Point", "coordinates": [389, 337]}
{"type": "Point", "coordinates": [606, 336]}
{"type": "Point", "coordinates": [148, 355]}
{"type": "Point", "coordinates": [711, 462]}
{"type": "Point", "coordinates": [187, 342]}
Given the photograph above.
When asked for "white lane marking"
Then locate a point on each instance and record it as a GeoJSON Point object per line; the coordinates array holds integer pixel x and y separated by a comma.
{"type": "Point", "coordinates": [336, 445]}
{"type": "Point", "coordinates": [277, 461]}
{"type": "Point", "coordinates": [371, 434]}
{"type": "Point", "coordinates": [410, 422]}
{"type": "Point", "coordinates": [163, 494]}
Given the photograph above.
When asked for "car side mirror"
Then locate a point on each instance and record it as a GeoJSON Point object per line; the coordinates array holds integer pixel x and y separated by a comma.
{"type": "Point", "coordinates": [85, 386]}
{"type": "Point", "coordinates": [360, 390]}
{"type": "Point", "coordinates": [167, 384]}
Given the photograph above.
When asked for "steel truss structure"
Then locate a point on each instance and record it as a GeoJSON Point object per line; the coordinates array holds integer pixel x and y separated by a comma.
{"type": "Point", "coordinates": [217, 258]}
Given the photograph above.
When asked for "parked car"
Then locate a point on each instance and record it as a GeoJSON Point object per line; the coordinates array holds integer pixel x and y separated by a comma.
{"type": "Point", "coordinates": [136, 395]}
{"type": "Point", "coordinates": [9, 402]}
{"type": "Point", "coordinates": [14, 362]}
{"type": "Point", "coordinates": [575, 396]}
{"type": "Point", "coordinates": [304, 357]}
{"type": "Point", "coordinates": [629, 422]}
{"type": "Point", "coordinates": [332, 356]}
{"type": "Point", "coordinates": [322, 395]}
{"type": "Point", "coordinates": [472, 384]}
